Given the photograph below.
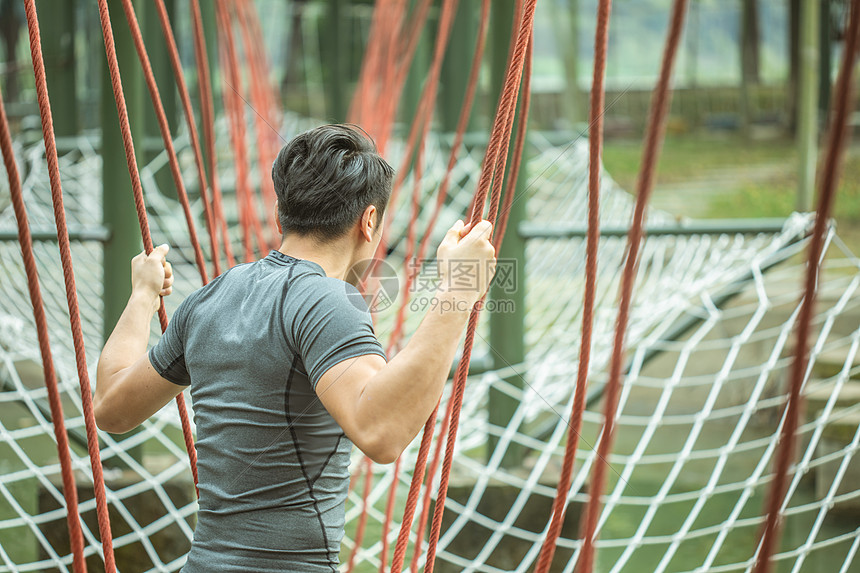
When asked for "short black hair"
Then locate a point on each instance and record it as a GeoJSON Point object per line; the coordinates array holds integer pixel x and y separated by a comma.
{"type": "Point", "coordinates": [326, 177]}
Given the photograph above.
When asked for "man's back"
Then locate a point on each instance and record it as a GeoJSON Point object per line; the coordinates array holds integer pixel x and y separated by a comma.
{"type": "Point", "coordinates": [272, 462]}
{"type": "Point", "coordinates": [283, 362]}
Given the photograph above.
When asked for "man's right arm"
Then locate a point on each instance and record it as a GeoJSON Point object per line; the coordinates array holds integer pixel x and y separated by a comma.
{"type": "Point", "coordinates": [382, 406]}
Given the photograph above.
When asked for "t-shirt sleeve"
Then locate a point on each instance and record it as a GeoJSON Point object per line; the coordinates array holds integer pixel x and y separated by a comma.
{"type": "Point", "coordinates": [168, 356]}
{"type": "Point", "coordinates": [332, 324]}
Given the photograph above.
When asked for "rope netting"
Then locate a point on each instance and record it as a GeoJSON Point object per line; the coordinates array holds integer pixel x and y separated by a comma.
{"type": "Point", "coordinates": [672, 475]}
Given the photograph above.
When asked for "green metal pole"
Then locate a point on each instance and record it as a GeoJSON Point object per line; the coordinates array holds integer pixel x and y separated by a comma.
{"type": "Point", "coordinates": [334, 60]}
{"type": "Point", "coordinates": [117, 199]}
{"type": "Point", "coordinates": [158, 56]}
{"type": "Point", "coordinates": [807, 110]}
{"type": "Point", "coordinates": [414, 84]}
{"type": "Point", "coordinates": [207, 15]}
{"type": "Point", "coordinates": [507, 312]}
{"type": "Point", "coordinates": [57, 22]}
{"type": "Point", "coordinates": [456, 66]}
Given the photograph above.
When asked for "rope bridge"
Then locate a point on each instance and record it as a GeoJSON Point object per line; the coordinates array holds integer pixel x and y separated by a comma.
{"type": "Point", "coordinates": [661, 282]}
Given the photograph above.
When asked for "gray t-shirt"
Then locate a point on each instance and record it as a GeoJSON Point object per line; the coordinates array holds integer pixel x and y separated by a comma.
{"type": "Point", "coordinates": [272, 462]}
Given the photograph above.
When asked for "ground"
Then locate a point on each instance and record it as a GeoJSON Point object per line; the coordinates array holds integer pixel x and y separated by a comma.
{"type": "Point", "coordinates": [719, 176]}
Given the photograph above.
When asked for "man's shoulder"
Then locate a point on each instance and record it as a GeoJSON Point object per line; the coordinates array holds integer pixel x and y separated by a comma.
{"type": "Point", "coordinates": [320, 292]}
{"type": "Point", "coordinates": [218, 283]}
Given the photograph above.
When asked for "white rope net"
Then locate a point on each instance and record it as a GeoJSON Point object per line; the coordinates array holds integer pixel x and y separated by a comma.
{"type": "Point", "coordinates": [709, 344]}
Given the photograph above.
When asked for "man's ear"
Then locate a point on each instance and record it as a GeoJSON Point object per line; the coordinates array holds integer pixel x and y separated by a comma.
{"type": "Point", "coordinates": [278, 218]}
{"type": "Point", "coordinates": [368, 222]}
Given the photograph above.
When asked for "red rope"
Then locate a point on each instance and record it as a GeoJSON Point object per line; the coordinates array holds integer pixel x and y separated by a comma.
{"type": "Point", "coordinates": [362, 520]}
{"type": "Point", "coordinates": [234, 100]}
{"type": "Point", "coordinates": [207, 119]}
{"type": "Point", "coordinates": [653, 141]}
{"type": "Point", "coordinates": [507, 127]}
{"type": "Point", "coordinates": [420, 125]}
{"type": "Point", "coordinates": [420, 465]}
{"type": "Point", "coordinates": [390, 52]}
{"type": "Point", "coordinates": [166, 137]}
{"type": "Point", "coordinates": [499, 140]}
{"type": "Point", "coordinates": [264, 122]}
{"type": "Point", "coordinates": [389, 515]}
{"type": "Point", "coordinates": [184, 96]}
{"type": "Point", "coordinates": [70, 492]}
{"type": "Point", "coordinates": [842, 106]}
{"type": "Point", "coordinates": [423, 117]}
{"type": "Point", "coordinates": [595, 141]}
{"type": "Point", "coordinates": [140, 206]}
{"type": "Point", "coordinates": [518, 151]}
{"type": "Point", "coordinates": [462, 124]}
{"type": "Point", "coordinates": [428, 486]}
{"type": "Point", "coordinates": [397, 70]}
{"type": "Point", "coordinates": [385, 21]}
{"type": "Point", "coordinates": [69, 278]}
{"type": "Point", "coordinates": [396, 337]}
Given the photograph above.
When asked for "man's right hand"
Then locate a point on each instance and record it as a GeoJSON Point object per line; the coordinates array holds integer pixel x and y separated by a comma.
{"type": "Point", "coordinates": [467, 264]}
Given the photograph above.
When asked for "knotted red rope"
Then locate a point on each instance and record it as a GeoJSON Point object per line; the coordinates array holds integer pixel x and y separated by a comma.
{"type": "Point", "coordinates": [70, 491]}
{"type": "Point", "coordinates": [69, 278]}
{"type": "Point", "coordinates": [841, 106]}
{"type": "Point", "coordinates": [595, 143]}
{"type": "Point", "coordinates": [650, 154]}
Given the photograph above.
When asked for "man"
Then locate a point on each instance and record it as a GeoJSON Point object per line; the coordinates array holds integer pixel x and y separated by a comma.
{"type": "Point", "coordinates": [285, 370]}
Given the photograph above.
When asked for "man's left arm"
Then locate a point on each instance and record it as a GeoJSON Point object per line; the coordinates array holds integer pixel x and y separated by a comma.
{"type": "Point", "coordinates": [128, 388]}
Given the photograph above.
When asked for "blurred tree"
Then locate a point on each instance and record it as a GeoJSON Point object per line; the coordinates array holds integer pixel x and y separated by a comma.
{"type": "Point", "coordinates": [333, 41]}
{"type": "Point", "coordinates": [750, 40]}
{"type": "Point", "coordinates": [10, 29]}
{"type": "Point", "coordinates": [793, 65]}
{"type": "Point", "coordinates": [457, 65]}
{"type": "Point", "coordinates": [565, 25]}
{"type": "Point", "coordinates": [294, 71]}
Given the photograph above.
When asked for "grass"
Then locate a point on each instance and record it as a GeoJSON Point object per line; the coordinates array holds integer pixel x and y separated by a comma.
{"type": "Point", "coordinates": [690, 157]}
{"type": "Point", "coordinates": [748, 178]}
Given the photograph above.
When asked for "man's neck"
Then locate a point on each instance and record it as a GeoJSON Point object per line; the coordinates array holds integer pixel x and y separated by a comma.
{"type": "Point", "coordinates": [334, 257]}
